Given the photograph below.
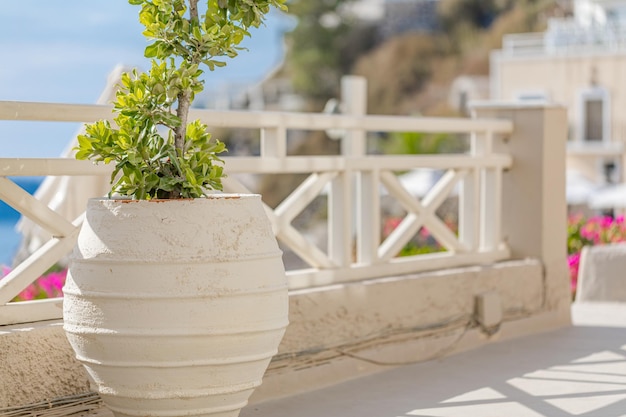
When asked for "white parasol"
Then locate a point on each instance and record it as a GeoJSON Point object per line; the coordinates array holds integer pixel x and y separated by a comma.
{"type": "Point", "coordinates": [610, 197]}
{"type": "Point", "coordinates": [578, 188]}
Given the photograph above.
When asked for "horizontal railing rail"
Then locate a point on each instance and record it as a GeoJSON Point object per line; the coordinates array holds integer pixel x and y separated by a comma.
{"type": "Point", "coordinates": [58, 112]}
{"type": "Point", "coordinates": [566, 37]}
{"type": "Point", "coordinates": [351, 182]}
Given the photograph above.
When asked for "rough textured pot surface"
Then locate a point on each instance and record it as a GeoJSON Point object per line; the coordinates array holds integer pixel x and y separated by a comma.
{"type": "Point", "coordinates": [176, 307]}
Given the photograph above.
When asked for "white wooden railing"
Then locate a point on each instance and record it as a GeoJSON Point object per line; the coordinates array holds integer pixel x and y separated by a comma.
{"type": "Point", "coordinates": [567, 36]}
{"type": "Point", "coordinates": [351, 180]}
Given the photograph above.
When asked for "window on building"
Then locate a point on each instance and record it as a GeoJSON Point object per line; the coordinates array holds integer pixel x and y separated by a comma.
{"type": "Point", "coordinates": [594, 115]}
{"type": "Point", "coordinates": [610, 170]}
{"type": "Point", "coordinates": [593, 120]}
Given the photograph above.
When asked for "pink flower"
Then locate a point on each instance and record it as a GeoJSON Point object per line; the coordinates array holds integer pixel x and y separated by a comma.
{"type": "Point", "coordinates": [573, 259]}
{"type": "Point", "coordinates": [52, 283]}
{"type": "Point", "coordinates": [46, 286]}
{"type": "Point", "coordinates": [390, 225]}
{"type": "Point", "coordinates": [606, 222]}
{"type": "Point", "coordinates": [575, 218]}
{"type": "Point", "coordinates": [573, 262]}
{"type": "Point", "coordinates": [588, 231]}
{"type": "Point", "coordinates": [30, 293]}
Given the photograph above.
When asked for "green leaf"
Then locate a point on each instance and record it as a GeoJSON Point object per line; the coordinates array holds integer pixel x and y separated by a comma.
{"type": "Point", "coordinates": [84, 142]}
{"type": "Point", "coordinates": [152, 50]}
{"type": "Point", "coordinates": [82, 155]}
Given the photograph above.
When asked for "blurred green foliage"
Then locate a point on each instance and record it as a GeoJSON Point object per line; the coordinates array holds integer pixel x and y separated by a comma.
{"type": "Point", "coordinates": [323, 46]}
{"type": "Point", "coordinates": [423, 143]}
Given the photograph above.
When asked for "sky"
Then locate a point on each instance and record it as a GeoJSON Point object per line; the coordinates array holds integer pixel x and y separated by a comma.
{"type": "Point", "coordinates": [62, 51]}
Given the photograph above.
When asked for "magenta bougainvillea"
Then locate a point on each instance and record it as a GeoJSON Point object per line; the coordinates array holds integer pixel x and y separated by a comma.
{"type": "Point", "coordinates": [598, 230]}
{"type": "Point", "coordinates": [48, 285]}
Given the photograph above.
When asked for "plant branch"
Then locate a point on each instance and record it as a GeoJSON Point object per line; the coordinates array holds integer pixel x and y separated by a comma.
{"type": "Point", "coordinates": [193, 10]}
{"type": "Point", "coordinates": [184, 102]}
{"type": "Point", "coordinates": [184, 97]}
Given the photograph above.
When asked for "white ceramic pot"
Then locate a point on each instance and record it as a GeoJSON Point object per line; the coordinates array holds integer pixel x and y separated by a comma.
{"type": "Point", "coordinates": [175, 307]}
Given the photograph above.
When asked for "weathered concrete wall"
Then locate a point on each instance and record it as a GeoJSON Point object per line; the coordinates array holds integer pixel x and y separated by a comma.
{"type": "Point", "coordinates": [335, 333]}
{"type": "Point", "coordinates": [36, 364]}
{"type": "Point", "coordinates": [348, 314]}
{"type": "Point", "coordinates": [346, 331]}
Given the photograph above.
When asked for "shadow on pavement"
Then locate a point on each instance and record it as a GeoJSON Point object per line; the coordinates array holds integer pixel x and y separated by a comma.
{"type": "Point", "coordinates": [569, 372]}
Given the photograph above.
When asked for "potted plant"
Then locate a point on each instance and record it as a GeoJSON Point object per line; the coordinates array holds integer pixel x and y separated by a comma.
{"type": "Point", "coordinates": [176, 297]}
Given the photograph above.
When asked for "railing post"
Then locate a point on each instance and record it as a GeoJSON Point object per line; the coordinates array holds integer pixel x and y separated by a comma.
{"type": "Point", "coordinates": [274, 142]}
{"type": "Point", "coordinates": [354, 102]}
{"type": "Point", "coordinates": [364, 197]}
{"type": "Point", "coordinates": [470, 202]}
{"type": "Point", "coordinates": [481, 198]}
{"type": "Point", "coordinates": [534, 211]}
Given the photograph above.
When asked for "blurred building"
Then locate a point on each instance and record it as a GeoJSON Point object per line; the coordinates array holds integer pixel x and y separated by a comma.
{"type": "Point", "coordinates": [402, 16]}
{"type": "Point", "coordinates": [578, 62]}
{"type": "Point", "coordinates": [467, 88]}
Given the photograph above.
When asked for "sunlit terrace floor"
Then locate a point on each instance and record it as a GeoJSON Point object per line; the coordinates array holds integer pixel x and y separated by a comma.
{"type": "Point", "coordinates": [574, 371]}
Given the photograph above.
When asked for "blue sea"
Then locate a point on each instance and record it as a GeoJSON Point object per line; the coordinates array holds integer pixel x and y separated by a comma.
{"type": "Point", "coordinates": [11, 239]}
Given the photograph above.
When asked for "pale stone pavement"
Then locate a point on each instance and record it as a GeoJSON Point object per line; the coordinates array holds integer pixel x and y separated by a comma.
{"type": "Point", "coordinates": [575, 371]}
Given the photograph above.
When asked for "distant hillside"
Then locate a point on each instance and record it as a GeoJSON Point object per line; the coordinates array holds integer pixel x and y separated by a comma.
{"type": "Point", "coordinates": [412, 73]}
{"type": "Point", "coordinates": [409, 68]}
